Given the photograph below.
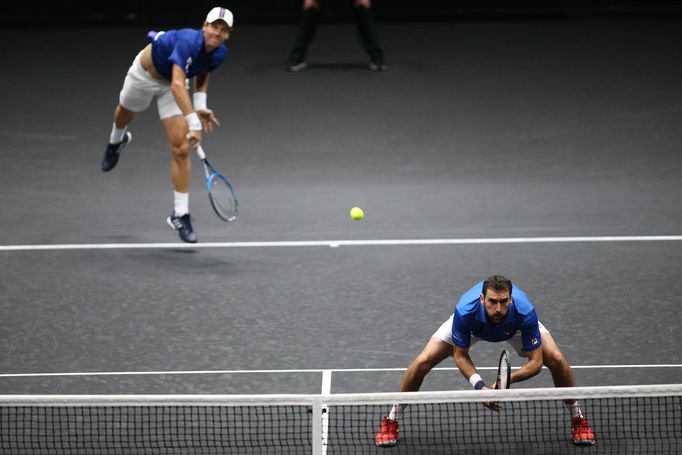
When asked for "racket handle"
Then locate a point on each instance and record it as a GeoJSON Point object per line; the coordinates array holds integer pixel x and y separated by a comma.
{"type": "Point", "coordinates": [200, 152]}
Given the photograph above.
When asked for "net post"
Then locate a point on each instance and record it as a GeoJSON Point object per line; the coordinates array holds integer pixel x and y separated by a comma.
{"type": "Point", "coordinates": [317, 425]}
{"type": "Point", "coordinates": [326, 391]}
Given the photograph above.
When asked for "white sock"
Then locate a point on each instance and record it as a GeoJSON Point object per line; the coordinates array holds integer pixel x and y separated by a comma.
{"type": "Point", "coordinates": [117, 134]}
{"type": "Point", "coordinates": [575, 409]}
{"type": "Point", "coordinates": [181, 203]}
{"type": "Point", "coordinates": [396, 411]}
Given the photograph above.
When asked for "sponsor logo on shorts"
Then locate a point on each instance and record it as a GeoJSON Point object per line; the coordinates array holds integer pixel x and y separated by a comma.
{"type": "Point", "coordinates": [534, 341]}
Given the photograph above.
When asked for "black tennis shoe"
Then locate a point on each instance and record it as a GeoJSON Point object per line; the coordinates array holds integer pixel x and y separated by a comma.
{"type": "Point", "coordinates": [296, 65]}
{"type": "Point", "coordinates": [183, 225]}
{"type": "Point", "coordinates": [111, 154]}
{"type": "Point", "coordinates": [378, 65]}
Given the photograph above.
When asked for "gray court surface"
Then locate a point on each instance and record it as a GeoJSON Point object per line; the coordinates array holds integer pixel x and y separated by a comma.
{"type": "Point", "coordinates": [481, 130]}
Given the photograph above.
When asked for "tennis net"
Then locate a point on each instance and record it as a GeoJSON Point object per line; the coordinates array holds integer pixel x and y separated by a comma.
{"type": "Point", "coordinates": [625, 419]}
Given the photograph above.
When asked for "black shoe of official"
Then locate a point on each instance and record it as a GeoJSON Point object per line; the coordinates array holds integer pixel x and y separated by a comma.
{"type": "Point", "coordinates": [183, 225]}
{"type": "Point", "coordinates": [112, 152]}
{"type": "Point", "coordinates": [377, 65]}
{"type": "Point", "coordinates": [295, 66]}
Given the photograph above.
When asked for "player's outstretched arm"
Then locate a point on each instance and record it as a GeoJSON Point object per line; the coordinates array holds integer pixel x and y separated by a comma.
{"type": "Point", "coordinates": [468, 369]}
{"type": "Point", "coordinates": [464, 363]}
{"type": "Point", "coordinates": [207, 116]}
{"type": "Point", "coordinates": [182, 98]}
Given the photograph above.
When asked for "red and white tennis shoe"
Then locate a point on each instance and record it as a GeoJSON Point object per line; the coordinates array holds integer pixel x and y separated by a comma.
{"type": "Point", "coordinates": [388, 434]}
{"type": "Point", "coordinates": [581, 433]}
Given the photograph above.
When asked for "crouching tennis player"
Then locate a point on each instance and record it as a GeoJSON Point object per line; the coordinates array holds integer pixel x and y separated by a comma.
{"type": "Point", "coordinates": [492, 310]}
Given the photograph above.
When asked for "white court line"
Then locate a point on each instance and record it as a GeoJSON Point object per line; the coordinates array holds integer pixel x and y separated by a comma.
{"type": "Point", "coordinates": [324, 371]}
{"type": "Point", "coordinates": [338, 243]}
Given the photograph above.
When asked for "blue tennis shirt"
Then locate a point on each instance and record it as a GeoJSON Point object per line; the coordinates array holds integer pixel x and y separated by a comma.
{"type": "Point", "coordinates": [185, 48]}
{"type": "Point", "coordinates": [470, 319]}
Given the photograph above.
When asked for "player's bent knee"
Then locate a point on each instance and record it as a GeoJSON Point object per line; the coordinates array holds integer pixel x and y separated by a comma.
{"type": "Point", "coordinates": [425, 362]}
{"type": "Point", "coordinates": [555, 360]}
{"type": "Point", "coordinates": [180, 150]}
{"type": "Point", "coordinates": [421, 368]}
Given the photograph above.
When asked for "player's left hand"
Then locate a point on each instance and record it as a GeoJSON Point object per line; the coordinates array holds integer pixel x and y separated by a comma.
{"type": "Point", "coordinates": [494, 405]}
{"type": "Point", "coordinates": [208, 119]}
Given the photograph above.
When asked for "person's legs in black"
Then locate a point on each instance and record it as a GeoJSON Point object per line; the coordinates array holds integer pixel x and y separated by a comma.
{"type": "Point", "coordinates": [304, 35]}
{"type": "Point", "coordinates": [367, 32]}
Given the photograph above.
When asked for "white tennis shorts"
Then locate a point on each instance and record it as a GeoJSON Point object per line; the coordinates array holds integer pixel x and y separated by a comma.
{"type": "Point", "coordinates": [140, 87]}
{"type": "Point", "coordinates": [444, 332]}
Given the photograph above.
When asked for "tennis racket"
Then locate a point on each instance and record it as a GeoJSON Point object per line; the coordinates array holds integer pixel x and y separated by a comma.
{"type": "Point", "coordinates": [503, 380]}
{"type": "Point", "coordinates": [503, 371]}
{"type": "Point", "coordinates": [220, 192]}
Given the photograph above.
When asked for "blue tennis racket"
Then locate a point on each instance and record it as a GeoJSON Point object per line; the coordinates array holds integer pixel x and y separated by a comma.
{"type": "Point", "coordinates": [221, 194]}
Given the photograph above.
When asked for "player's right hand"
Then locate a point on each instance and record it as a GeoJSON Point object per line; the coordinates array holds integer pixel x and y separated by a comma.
{"type": "Point", "coordinates": [194, 138]}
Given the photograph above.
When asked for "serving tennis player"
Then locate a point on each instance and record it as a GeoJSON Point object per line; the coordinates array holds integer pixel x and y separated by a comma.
{"type": "Point", "coordinates": [160, 71]}
{"type": "Point", "coordinates": [492, 310]}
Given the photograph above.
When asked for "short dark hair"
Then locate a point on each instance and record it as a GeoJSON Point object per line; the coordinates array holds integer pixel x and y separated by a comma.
{"type": "Point", "coordinates": [497, 283]}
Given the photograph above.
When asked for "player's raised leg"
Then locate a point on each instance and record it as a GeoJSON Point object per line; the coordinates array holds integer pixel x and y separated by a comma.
{"type": "Point", "coordinates": [119, 137]}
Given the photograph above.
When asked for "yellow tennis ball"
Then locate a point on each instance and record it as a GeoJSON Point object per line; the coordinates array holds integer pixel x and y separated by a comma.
{"type": "Point", "coordinates": [356, 213]}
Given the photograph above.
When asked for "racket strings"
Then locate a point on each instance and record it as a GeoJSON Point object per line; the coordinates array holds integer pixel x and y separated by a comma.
{"type": "Point", "coordinates": [222, 198]}
{"type": "Point", "coordinates": [504, 371]}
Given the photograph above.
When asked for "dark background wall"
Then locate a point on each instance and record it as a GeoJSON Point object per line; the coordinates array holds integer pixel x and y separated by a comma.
{"type": "Point", "coordinates": [67, 14]}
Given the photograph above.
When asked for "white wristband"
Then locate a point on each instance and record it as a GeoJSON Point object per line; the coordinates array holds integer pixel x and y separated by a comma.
{"type": "Point", "coordinates": [199, 99]}
{"type": "Point", "coordinates": [473, 380]}
{"type": "Point", "coordinates": [193, 121]}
